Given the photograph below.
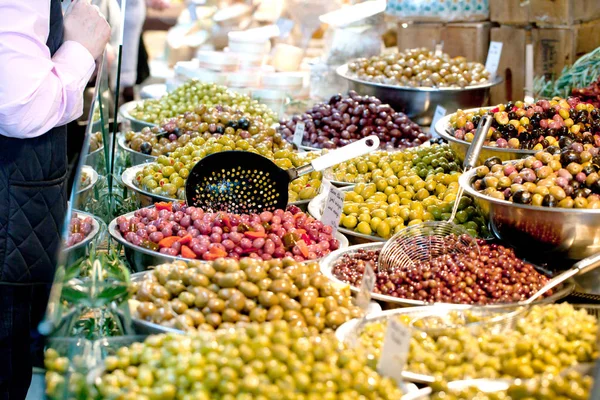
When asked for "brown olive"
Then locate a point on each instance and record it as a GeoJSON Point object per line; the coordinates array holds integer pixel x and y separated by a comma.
{"type": "Point", "coordinates": [249, 289]}
{"type": "Point", "coordinates": [198, 279]}
{"type": "Point", "coordinates": [174, 287]}
{"type": "Point", "coordinates": [258, 315]}
{"type": "Point", "coordinates": [264, 284]}
{"type": "Point", "coordinates": [302, 281]}
{"type": "Point", "coordinates": [146, 309]}
{"type": "Point", "coordinates": [187, 298]}
{"type": "Point", "coordinates": [236, 301]}
{"type": "Point", "coordinates": [280, 286]}
{"type": "Point", "coordinates": [334, 319]}
{"type": "Point", "coordinates": [268, 299]}
{"type": "Point", "coordinates": [230, 315]}
{"type": "Point", "coordinates": [214, 319]}
{"type": "Point", "coordinates": [207, 270]}
{"type": "Point", "coordinates": [178, 306]}
{"type": "Point", "coordinates": [160, 292]}
{"type": "Point", "coordinates": [216, 305]}
{"type": "Point", "coordinates": [275, 313]}
{"type": "Point", "coordinates": [255, 273]}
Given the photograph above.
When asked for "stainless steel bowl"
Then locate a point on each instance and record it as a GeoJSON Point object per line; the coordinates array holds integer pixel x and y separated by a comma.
{"type": "Point", "coordinates": [564, 233]}
{"type": "Point", "coordinates": [136, 157]}
{"type": "Point", "coordinates": [79, 250]}
{"type": "Point", "coordinates": [460, 147]}
{"type": "Point", "coordinates": [331, 260]}
{"type": "Point", "coordinates": [136, 124]}
{"type": "Point", "coordinates": [419, 103]}
{"type": "Point", "coordinates": [84, 193]}
{"type": "Point", "coordinates": [141, 258]}
{"type": "Point", "coordinates": [94, 157]}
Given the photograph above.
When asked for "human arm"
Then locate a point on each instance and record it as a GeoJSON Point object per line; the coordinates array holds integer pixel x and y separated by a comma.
{"type": "Point", "coordinates": [39, 91]}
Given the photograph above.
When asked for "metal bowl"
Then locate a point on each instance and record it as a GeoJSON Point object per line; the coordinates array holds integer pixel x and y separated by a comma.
{"type": "Point", "coordinates": [136, 124]}
{"type": "Point", "coordinates": [94, 157]}
{"type": "Point", "coordinates": [136, 157]}
{"type": "Point", "coordinates": [564, 233]}
{"type": "Point", "coordinates": [79, 250]}
{"type": "Point", "coordinates": [84, 194]}
{"type": "Point", "coordinates": [315, 208]}
{"type": "Point", "coordinates": [460, 147]}
{"type": "Point", "coordinates": [331, 259]}
{"type": "Point", "coordinates": [141, 258]}
{"type": "Point", "coordinates": [419, 103]}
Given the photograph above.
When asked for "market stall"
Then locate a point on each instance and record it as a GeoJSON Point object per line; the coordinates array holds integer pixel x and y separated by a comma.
{"type": "Point", "coordinates": [409, 227]}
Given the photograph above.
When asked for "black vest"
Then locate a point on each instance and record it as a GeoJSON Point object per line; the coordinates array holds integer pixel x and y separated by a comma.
{"type": "Point", "coordinates": [33, 198]}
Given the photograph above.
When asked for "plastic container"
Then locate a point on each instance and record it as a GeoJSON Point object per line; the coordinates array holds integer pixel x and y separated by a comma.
{"type": "Point", "coordinates": [289, 83]}
{"type": "Point", "coordinates": [287, 58]}
{"type": "Point", "coordinates": [249, 47]}
{"type": "Point", "coordinates": [250, 61]}
{"type": "Point", "coordinates": [217, 61]}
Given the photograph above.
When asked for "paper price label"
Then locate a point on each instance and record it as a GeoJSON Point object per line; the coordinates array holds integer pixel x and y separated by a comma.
{"type": "Point", "coordinates": [333, 208]}
{"type": "Point", "coordinates": [493, 58]}
{"type": "Point", "coordinates": [325, 186]}
{"type": "Point", "coordinates": [299, 135]}
{"type": "Point", "coordinates": [394, 353]}
{"type": "Point", "coordinates": [438, 49]}
{"type": "Point", "coordinates": [440, 112]}
{"type": "Point", "coordinates": [366, 287]}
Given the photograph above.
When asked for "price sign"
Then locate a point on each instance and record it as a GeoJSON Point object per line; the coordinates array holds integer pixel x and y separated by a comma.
{"type": "Point", "coordinates": [394, 352]}
{"type": "Point", "coordinates": [440, 112]}
{"type": "Point", "coordinates": [366, 287]}
{"type": "Point", "coordinates": [333, 208]}
{"type": "Point", "coordinates": [299, 135]}
{"type": "Point", "coordinates": [493, 58]}
{"type": "Point", "coordinates": [325, 186]}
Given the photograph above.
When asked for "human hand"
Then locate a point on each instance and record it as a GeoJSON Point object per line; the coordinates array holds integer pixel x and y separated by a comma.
{"type": "Point", "coordinates": [84, 24]}
{"type": "Point", "coordinates": [158, 4]}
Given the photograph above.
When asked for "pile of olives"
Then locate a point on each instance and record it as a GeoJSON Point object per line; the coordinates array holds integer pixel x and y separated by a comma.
{"type": "Point", "coordinates": [221, 294]}
{"type": "Point", "coordinates": [546, 340]}
{"type": "Point", "coordinates": [95, 141]}
{"type": "Point", "coordinates": [193, 93]}
{"type": "Point", "coordinates": [419, 68]}
{"type": "Point", "coordinates": [266, 361]}
{"type": "Point", "coordinates": [565, 179]}
{"type": "Point", "coordinates": [571, 385]}
{"type": "Point", "coordinates": [64, 379]}
{"type": "Point", "coordinates": [547, 123]}
{"type": "Point", "coordinates": [202, 122]}
{"type": "Point", "coordinates": [167, 176]}
{"type": "Point", "coordinates": [389, 204]}
{"type": "Point", "coordinates": [422, 160]}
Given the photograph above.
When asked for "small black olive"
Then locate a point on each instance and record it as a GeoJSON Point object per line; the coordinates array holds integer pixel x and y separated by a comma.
{"type": "Point", "coordinates": [490, 162]}
{"type": "Point", "coordinates": [565, 142]}
{"type": "Point", "coordinates": [522, 197]}
{"type": "Point", "coordinates": [549, 201]}
{"type": "Point", "coordinates": [243, 123]}
{"type": "Point", "coordinates": [177, 131]}
{"type": "Point", "coordinates": [146, 148]}
{"type": "Point", "coordinates": [583, 192]}
{"type": "Point", "coordinates": [569, 156]}
{"type": "Point", "coordinates": [220, 129]}
{"type": "Point", "coordinates": [335, 99]}
{"type": "Point", "coordinates": [553, 150]}
{"type": "Point", "coordinates": [588, 169]}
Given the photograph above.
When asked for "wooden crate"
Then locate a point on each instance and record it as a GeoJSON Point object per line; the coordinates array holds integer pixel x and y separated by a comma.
{"type": "Point", "coordinates": [544, 13]}
{"type": "Point", "coordinates": [471, 39]}
{"type": "Point", "coordinates": [553, 49]}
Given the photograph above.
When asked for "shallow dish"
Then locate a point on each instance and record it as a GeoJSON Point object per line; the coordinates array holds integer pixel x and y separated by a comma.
{"type": "Point", "coordinates": [140, 258]}
{"type": "Point", "coordinates": [136, 157]}
{"type": "Point", "coordinates": [419, 103]}
{"type": "Point", "coordinates": [460, 147]}
{"type": "Point", "coordinates": [79, 250]}
{"type": "Point", "coordinates": [328, 262]}
{"type": "Point", "coordinates": [84, 193]}
{"type": "Point", "coordinates": [136, 124]}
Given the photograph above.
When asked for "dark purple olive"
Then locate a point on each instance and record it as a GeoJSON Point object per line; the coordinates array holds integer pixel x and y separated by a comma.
{"type": "Point", "coordinates": [549, 201]}
{"type": "Point", "coordinates": [146, 148]}
{"type": "Point", "coordinates": [522, 197]}
{"type": "Point", "coordinates": [490, 162]}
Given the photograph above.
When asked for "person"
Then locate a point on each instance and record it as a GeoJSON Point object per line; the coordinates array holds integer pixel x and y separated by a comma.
{"type": "Point", "coordinates": [45, 63]}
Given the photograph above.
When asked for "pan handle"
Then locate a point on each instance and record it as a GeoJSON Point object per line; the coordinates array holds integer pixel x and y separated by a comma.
{"type": "Point", "coordinates": [348, 152]}
{"type": "Point", "coordinates": [475, 148]}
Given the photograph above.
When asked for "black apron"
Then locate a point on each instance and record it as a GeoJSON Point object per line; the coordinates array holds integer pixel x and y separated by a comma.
{"type": "Point", "coordinates": [33, 198]}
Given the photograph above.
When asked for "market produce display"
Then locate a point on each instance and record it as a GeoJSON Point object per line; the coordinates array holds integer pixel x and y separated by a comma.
{"type": "Point", "coordinates": [566, 179]}
{"type": "Point", "coordinates": [63, 373]}
{"type": "Point", "coordinates": [272, 360]}
{"type": "Point", "coordinates": [167, 176]}
{"type": "Point", "coordinates": [201, 296]}
{"type": "Point", "coordinates": [345, 119]}
{"type": "Point", "coordinates": [194, 93]}
{"type": "Point", "coordinates": [202, 122]}
{"type": "Point", "coordinates": [178, 230]}
{"type": "Point", "coordinates": [495, 275]}
{"type": "Point", "coordinates": [546, 340]}
{"type": "Point", "coordinates": [422, 160]}
{"type": "Point", "coordinates": [95, 141]}
{"type": "Point", "coordinates": [533, 126]}
{"type": "Point", "coordinates": [589, 94]}
{"type": "Point", "coordinates": [79, 229]}
{"type": "Point", "coordinates": [389, 204]}
{"type": "Point", "coordinates": [419, 68]}
{"type": "Point", "coordinates": [571, 385]}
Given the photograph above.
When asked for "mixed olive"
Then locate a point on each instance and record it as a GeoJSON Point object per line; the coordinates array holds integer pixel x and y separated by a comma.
{"type": "Point", "coordinates": [79, 229]}
{"type": "Point", "coordinates": [194, 93]}
{"type": "Point", "coordinates": [419, 68]}
{"type": "Point", "coordinates": [267, 361]}
{"type": "Point", "coordinates": [567, 178]}
{"type": "Point", "coordinates": [547, 123]}
{"type": "Point", "coordinates": [221, 294]}
{"type": "Point", "coordinates": [344, 120]}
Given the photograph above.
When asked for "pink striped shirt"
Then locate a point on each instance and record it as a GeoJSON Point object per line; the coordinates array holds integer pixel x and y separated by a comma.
{"type": "Point", "coordinates": [37, 91]}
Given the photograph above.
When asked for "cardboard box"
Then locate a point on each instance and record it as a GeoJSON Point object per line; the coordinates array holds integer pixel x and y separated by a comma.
{"type": "Point", "coordinates": [471, 40]}
{"type": "Point", "coordinates": [512, 64]}
{"type": "Point", "coordinates": [512, 12]}
{"type": "Point", "coordinates": [563, 12]}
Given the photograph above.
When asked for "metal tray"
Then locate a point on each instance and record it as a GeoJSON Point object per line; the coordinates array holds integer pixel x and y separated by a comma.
{"type": "Point", "coordinates": [331, 259]}
{"type": "Point", "coordinates": [315, 208]}
{"type": "Point", "coordinates": [140, 258]}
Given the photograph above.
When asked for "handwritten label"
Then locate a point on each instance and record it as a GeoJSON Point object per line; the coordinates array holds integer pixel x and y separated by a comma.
{"type": "Point", "coordinates": [325, 186]}
{"type": "Point", "coordinates": [493, 58]}
{"type": "Point", "coordinates": [438, 49]}
{"type": "Point", "coordinates": [333, 208]}
{"type": "Point", "coordinates": [440, 112]}
{"type": "Point", "coordinates": [299, 135]}
{"type": "Point", "coordinates": [394, 352]}
{"type": "Point", "coordinates": [285, 27]}
{"type": "Point", "coordinates": [366, 287]}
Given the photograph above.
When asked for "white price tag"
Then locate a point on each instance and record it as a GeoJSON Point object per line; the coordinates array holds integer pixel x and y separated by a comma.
{"type": "Point", "coordinates": [285, 27]}
{"type": "Point", "coordinates": [493, 58]}
{"type": "Point", "coordinates": [438, 49]}
{"type": "Point", "coordinates": [325, 186]}
{"type": "Point", "coordinates": [333, 208]}
{"type": "Point", "coordinates": [366, 287]}
{"type": "Point", "coordinates": [299, 135]}
{"type": "Point", "coordinates": [440, 112]}
{"type": "Point", "coordinates": [394, 353]}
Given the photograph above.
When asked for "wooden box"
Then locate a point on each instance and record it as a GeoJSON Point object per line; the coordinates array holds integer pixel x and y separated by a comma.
{"type": "Point", "coordinates": [512, 64]}
{"type": "Point", "coordinates": [563, 12]}
{"type": "Point", "coordinates": [512, 12]}
{"type": "Point", "coordinates": [471, 39]}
